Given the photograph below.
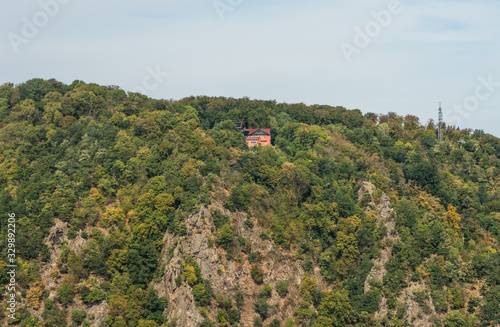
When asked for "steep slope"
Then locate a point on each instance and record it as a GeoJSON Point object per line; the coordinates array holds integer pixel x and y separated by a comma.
{"type": "Point", "coordinates": [225, 275]}
{"type": "Point", "coordinates": [385, 216]}
{"type": "Point", "coordinates": [142, 212]}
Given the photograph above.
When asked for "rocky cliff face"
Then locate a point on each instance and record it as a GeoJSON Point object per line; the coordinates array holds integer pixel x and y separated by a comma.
{"type": "Point", "coordinates": [199, 243]}
{"type": "Point", "coordinates": [226, 274]}
{"type": "Point", "coordinates": [57, 235]}
{"type": "Point", "coordinates": [385, 215]}
{"type": "Point", "coordinates": [50, 272]}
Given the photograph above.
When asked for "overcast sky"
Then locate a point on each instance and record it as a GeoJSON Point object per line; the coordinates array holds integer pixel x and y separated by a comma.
{"type": "Point", "coordinates": [376, 56]}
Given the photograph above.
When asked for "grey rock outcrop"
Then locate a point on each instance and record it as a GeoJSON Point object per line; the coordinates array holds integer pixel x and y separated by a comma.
{"type": "Point", "coordinates": [225, 274]}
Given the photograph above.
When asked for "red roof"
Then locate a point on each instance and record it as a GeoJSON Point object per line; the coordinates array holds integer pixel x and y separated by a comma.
{"type": "Point", "coordinates": [251, 131]}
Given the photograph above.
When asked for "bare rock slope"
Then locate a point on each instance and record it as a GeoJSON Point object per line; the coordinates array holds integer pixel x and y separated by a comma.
{"type": "Point", "coordinates": [226, 274]}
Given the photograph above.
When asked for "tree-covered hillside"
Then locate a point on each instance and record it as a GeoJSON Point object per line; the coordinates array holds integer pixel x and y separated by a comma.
{"type": "Point", "coordinates": [123, 173]}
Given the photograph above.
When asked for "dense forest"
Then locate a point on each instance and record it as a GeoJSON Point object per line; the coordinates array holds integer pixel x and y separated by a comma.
{"type": "Point", "coordinates": [124, 173]}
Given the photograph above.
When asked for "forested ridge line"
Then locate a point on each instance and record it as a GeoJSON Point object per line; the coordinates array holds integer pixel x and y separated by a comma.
{"type": "Point", "coordinates": [121, 170]}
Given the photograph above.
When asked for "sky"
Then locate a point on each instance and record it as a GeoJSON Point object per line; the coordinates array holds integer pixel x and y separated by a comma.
{"type": "Point", "coordinates": [377, 56]}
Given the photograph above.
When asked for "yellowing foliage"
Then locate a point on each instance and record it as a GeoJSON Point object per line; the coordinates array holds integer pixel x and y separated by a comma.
{"type": "Point", "coordinates": [94, 193]}
{"type": "Point", "coordinates": [423, 272]}
{"type": "Point", "coordinates": [113, 216]}
{"type": "Point", "coordinates": [164, 203]}
{"type": "Point", "coordinates": [34, 294]}
{"type": "Point", "coordinates": [307, 286]}
{"type": "Point", "coordinates": [189, 275]}
{"type": "Point", "coordinates": [117, 261]}
{"type": "Point", "coordinates": [452, 217]}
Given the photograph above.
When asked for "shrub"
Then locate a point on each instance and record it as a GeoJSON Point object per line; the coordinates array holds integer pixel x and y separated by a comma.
{"type": "Point", "coordinates": [189, 275]}
{"type": "Point", "coordinates": [72, 234]}
{"type": "Point", "coordinates": [249, 223]}
{"type": "Point", "coordinates": [66, 292]}
{"type": "Point", "coordinates": [367, 302]}
{"type": "Point", "coordinates": [282, 288]}
{"type": "Point", "coordinates": [239, 198]}
{"type": "Point", "coordinates": [266, 290]}
{"type": "Point", "coordinates": [457, 299]}
{"type": "Point", "coordinates": [454, 318]}
{"type": "Point", "coordinates": [207, 323]}
{"type": "Point", "coordinates": [222, 317]}
{"type": "Point", "coordinates": [234, 316]}
{"type": "Point", "coordinates": [84, 291]}
{"type": "Point", "coordinates": [78, 316]}
{"type": "Point", "coordinates": [474, 302]}
{"type": "Point", "coordinates": [200, 295]}
{"type": "Point", "coordinates": [275, 323]}
{"type": "Point", "coordinates": [224, 302]}
{"type": "Point", "coordinates": [257, 274]}
{"type": "Point", "coordinates": [254, 257]}
{"type": "Point", "coordinates": [34, 295]}
{"type": "Point", "coordinates": [290, 323]}
{"type": "Point", "coordinates": [178, 280]}
{"type": "Point", "coordinates": [303, 313]}
{"type": "Point", "coordinates": [308, 264]}
{"type": "Point", "coordinates": [239, 299]}
{"type": "Point", "coordinates": [262, 308]}
{"type": "Point", "coordinates": [247, 248]}
{"type": "Point", "coordinates": [439, 302]}
{"type": "Point", "coordinates": [95, 296]}
{"type": "Point", "coordinates": [226, 236]}
{"type": "Point", "coordinates": [219, 218]}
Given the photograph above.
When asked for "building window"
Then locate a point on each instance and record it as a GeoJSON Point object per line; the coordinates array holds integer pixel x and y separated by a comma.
{"type": "Point", "coordinates": [253, 142]}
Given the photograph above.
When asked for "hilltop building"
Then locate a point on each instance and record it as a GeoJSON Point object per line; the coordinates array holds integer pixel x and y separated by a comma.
{"type": "Point", "coordinates": [258, 136]}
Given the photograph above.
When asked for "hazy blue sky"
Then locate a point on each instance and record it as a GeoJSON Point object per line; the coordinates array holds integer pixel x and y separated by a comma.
{"type": "Point", "coordinates": [416, 53]}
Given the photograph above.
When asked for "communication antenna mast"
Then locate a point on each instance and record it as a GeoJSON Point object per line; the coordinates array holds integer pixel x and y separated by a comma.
{"type": "Point", "coordinates": [440, 124]}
